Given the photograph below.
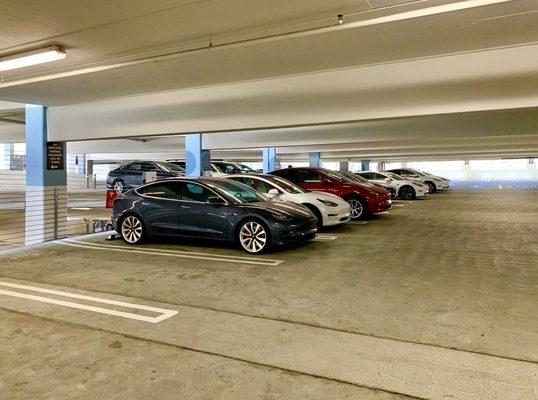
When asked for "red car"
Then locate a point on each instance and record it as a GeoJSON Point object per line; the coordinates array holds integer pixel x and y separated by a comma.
{"type": "Point", "coordinates": [363, 198]}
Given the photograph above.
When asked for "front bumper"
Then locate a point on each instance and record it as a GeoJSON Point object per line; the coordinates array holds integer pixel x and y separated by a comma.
{"type": "Point", "coordinates": [289, 233]}
{"type": "Point", "coordinates": [336, 215]}
{"type": "Point", "coordinates": [379, 205]}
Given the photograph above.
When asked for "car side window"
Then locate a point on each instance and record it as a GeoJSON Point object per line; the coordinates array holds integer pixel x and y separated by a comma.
{"type": "Point", "coordinates": [163, 190]}
{"type": "Point", "coordinates": [308, 176]}
{"type": "Point", "coordinates": [194, 192]}
{"type": "Point", "coordinates": [289, 174]}
{"type": "Point", "coordinates": [133, 167]}
{"type": "Point", "coordinates": [366, 175]}
{"type": "Point", "coordinates": [377, 176]}
{"type": "Point", "coordinates": [145, 166]}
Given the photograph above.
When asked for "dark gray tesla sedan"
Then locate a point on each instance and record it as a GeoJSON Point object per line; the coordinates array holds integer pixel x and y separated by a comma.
{"type": "Point", "coordinates": [210, 208]}
{"type": "Point", "coordinates": [133, 174]}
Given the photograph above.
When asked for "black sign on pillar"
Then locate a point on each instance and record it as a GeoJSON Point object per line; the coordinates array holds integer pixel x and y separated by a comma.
{"type": "Point", "coordinates": [55, 156]}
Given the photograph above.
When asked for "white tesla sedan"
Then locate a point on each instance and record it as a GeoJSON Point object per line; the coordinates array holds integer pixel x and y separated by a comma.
{"type": "Point", "coordinates": [435, 183]}
{"type": "Point", "coordinates": [405, 189]}
{"type": "Point", "coordinates": [328, 208]}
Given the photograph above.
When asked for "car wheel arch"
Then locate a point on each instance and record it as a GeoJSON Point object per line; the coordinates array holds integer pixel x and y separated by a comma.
{"type": "Point", "coordinates": [315, 210]}
{"type": "Point", "coordinates": [406, 187]}
{"type": "Point", "coordinates": [250, 217]}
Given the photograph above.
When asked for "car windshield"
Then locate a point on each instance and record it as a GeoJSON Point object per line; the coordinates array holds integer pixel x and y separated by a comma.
{"type": "Point", "coordinates": [416, 171]}
{"type": "Point", "coordinates": [394, 176]}
{"type": "Point", "coordinates": [286, 185]}
{"type": "Point", "coordinates": [238, 191]}
{"type": "Point", "coordinates": [169, 167]}
{"type": "Point", "coordinates": [232, 168]}
{"type": "Point", "coordinates": [358, 178]}
{"type": "Point", "coordinates": [337, 176]}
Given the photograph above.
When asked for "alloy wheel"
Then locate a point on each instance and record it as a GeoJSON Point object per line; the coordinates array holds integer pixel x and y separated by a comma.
{"type": "Point", "coordinates": [356, 208]}
{"type": "Point", "coordinates": [131, 229]}
{"type": "Point", "coordinates": [253, 237]}
{"type": "Point", "coordinates": [118, 187]}
{"type": "Point", "coordinates": [407, 193]}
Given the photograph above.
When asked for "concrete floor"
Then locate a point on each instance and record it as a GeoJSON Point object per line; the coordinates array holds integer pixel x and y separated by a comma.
{"type": "Point", "coordinates": [437, 299]}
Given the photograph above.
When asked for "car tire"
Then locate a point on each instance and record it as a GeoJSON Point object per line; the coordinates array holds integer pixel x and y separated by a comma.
{"type": "Point", "coordinates": [359, 209]}
{"type": "Point", "coordinates": [317, 213]}
{"type": "Point", "coordinates": [132, 229]}
{"type": "Point", "coordinates": [431, 186]}
{"type": "Point", "coordinates": [253, 236]}
{"type": "Point", "coordinates": [407, 193]}
{"type": "Point", "coordinates": [119, 186]}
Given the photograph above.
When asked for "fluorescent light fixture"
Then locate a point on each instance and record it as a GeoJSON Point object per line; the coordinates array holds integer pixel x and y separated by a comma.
{"type": "Point", "coordinates": [34, 57]}
{"type": "Point", "coordinates": [424, 12]}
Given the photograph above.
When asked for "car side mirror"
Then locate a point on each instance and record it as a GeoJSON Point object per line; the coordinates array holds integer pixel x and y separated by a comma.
{"type": "Point", "coordinates": [215, 200]}
{"type": "Point", "coordinates": [327, 182]}
{"type": "Point", "coordinates": [272, 193]}
{"type": "Point", "coordinates": [387, 179]}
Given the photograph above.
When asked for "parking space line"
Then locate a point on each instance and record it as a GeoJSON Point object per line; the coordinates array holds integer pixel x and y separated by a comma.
{"type": "Point", "coordinates": [325, 237]}
{"type": "Point", "coordinates": [175, 253]}
{"type": "Point", "coordinates": [164, 313]}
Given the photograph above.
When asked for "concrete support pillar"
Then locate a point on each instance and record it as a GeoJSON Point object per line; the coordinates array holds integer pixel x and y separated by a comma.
{"type": "Point", "coordinates": [197, 160]}
{"type": "Point", "coordinates": [46, 185]}
{"type": "Point", "coordinates": [344, 166]}
{"type": "Point", "coordinates": [381, 166]}
{"type": "Point", "coordinates": [365, 165]}
{"type": "Point", "coordinates": [314, 159]}
{"type": "Point", "coordinates": [269, 159]}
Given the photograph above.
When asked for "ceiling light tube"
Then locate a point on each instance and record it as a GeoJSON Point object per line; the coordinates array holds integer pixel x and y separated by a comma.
{"type": "Point", "coordinates": [33, 57]}
{"type": "Point", "coordinates": [424, 12]}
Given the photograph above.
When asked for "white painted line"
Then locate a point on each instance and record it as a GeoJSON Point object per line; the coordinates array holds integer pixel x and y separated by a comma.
{"type": "Point", "coordinates": [165, 314]}
{"type": "Point", "coordinates": [175, 253]}
{"type": "Point", "coordinates": [358, 222]}
{"type": "Point", "coordinates": [398, 205]}
{"type": "Point", "coordinates": [325, 237]}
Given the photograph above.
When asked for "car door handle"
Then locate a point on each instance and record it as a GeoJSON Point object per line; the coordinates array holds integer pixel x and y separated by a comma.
{"type": "Point", "coordinates": [184, 206]}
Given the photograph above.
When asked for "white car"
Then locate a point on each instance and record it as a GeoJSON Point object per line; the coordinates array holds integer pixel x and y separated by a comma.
{"type": "Point", "coordinates": [220, 169]}
{"type": "Point", "coordinates": [405, 189]}
{"type": "Point", "coordinates": [435, 183]}
{"type": "Point", "coordinates": [328, 208]}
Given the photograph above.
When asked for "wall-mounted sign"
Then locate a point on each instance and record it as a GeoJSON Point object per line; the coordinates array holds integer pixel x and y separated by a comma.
{"type": "Point", "coordinates": [55, 156]}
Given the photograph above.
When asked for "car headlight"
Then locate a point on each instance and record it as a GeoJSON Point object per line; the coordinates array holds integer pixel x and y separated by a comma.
{"type": "Point", "coordinates": [328, 203]}
{"type": "Point", "coordinates": [281, 216]}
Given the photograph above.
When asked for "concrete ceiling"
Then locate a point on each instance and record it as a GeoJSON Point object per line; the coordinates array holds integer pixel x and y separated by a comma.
{"type": "Point", "coordinates": [406, 88]}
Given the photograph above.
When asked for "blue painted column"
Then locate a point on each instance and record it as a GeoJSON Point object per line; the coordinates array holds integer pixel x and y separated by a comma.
{"type": "Point", "coordinates": [197, 160]}
{"type": "Point", "coordinates": [269, 159]}
{"type": "Point", "coordinates": [46, 190]}
{"type": "Point", "coordinates": [365, 165]}
{"type": "Point", "coordinates": [314, 159]}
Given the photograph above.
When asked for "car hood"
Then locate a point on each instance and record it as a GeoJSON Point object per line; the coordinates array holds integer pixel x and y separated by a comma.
{"type": "Point", "coordinates": [326, 196]}
{"type": "Point", "coordinates": [291, 209]}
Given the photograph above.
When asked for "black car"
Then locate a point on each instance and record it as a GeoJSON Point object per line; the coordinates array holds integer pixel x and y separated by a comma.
{"type": "Point", "coordinates": [133, 174]}
{"type": "Point", "coordinates": [211, 208]}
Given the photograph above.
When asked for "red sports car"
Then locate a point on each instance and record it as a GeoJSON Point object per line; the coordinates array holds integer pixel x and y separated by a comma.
{"type": "Point", "coordinates": [363, 198]}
